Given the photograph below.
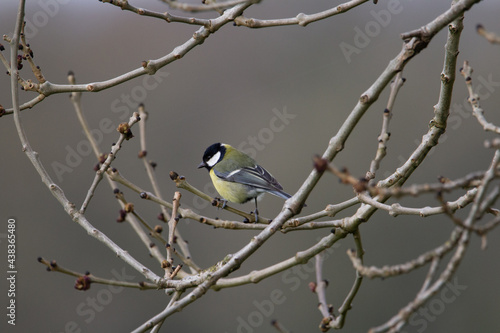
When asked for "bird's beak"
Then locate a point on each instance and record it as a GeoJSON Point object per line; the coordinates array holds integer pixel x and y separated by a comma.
{"type": "Point", "coordinates": [202, 165]}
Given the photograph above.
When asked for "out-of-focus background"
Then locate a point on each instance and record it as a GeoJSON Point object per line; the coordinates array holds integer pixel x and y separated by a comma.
{"type": "Point", "coordinates": [283, 92]}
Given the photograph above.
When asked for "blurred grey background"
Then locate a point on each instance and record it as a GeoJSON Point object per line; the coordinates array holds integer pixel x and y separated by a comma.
{"type": "Point", "coordinates": [230, 89]}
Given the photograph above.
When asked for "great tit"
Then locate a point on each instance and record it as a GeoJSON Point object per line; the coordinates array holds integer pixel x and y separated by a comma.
{"type": "Point", "coordinates": [237, 177]}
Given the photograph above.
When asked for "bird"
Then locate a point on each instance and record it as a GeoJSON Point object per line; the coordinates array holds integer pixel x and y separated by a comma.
{"type": "Point", "coordinates": [237, 177]}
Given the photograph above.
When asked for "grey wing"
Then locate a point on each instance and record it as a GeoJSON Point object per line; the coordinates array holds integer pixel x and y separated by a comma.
{"type": "Point", "coordinates": [257, 177]}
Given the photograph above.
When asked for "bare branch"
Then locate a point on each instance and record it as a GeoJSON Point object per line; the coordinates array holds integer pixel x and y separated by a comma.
{"type": "Point", "coordinates": [491, 37]}
{"type": "Point", "coordinates": [301, 19]}
{"type": "Point", "coordinates": [172, 224]}
{"type": "Point", "coordinates": [320, 290]}
{"type": "Point", "coordinates": [396, 84]}
{"type": "Point", "coordinates": [425, 294]}
{"type": "Point", "coordinates": [473, 99]}
{"type": "Point", "coordinates": [395, 270]}
{"type": "Point", "coordinates": [442, 109]}
{"type": "Point", "coordinates": [124, 5]}
{"type": "Point", "coordinates": [188, 7]}
{"type": "Point", "coordinates": [125, 134]}
{"type": "Point", "coordinates": [301, 257]}
{"type": "Point", "coordinates": [347, 305]}
{"type": "Point", "coordinates": [55, 267]}
{"type": "Point", "coordinates": [148, 67]}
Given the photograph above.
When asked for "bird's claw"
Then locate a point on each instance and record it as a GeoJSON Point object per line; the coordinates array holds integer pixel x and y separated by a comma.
{"type": "Point", "coordinates": [216, 202]}
{"type": "Point", "coordinates": [256, 213]}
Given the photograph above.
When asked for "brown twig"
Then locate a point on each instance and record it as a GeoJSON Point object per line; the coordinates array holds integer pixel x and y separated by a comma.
{"type": "Point", "coordinates": [165, 16]}
{"type": "Point", "coordinates": [184, 212]}
{"type": "Point", "coordinates": [55, 267]}
{"type": "Point", "coordinates": [491, 37]}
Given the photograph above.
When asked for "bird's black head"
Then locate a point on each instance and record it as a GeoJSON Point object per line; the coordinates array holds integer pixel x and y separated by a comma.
{"type": "Point", "coordinates": [212, 155]}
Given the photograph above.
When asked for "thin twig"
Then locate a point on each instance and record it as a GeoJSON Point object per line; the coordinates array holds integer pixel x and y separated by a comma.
{"type": "Point", "coordinates": [301, 19]}
{"type": "Point", "coordinates": [75, 98]}
{"type": "Point", "coordinates": [491, 37]}
{"type": "Point", "coordinates": [55, 267]}
{"type": "Point", "coordinates": [150, 170]}
{"type": "Point", "coordinates": [300, 257]}
{"type": "Point", "coordinates": [347, 304]}
{"type": "Point", "coordinates": [279, 328]}
{"type": "Point", "coordinates": [424, 295]}
{"type": "Point", "coordinates": [330, 211]}
{"type": "Point", "coordinates": [473, 99]}
{"type": "Point", "coordinates": [395, 270]}
{"type": "Point", "coordinates": [125, 134]}
{"type": "Point", "coordinates": [430, 274]}
{"type": "Point", "coordinates": [320, 289]}
{"type": "Point", "coordinates": [205, 7]}
{"type": "Point", "coordinates": [166, 16]}
{"type": "Point", "coordinates": [396, 209]}
{"type": "Point", "coordinates": [181, 182]}
{"type": "Point", "coordinates": [172, 224]}
{"type": "Point", "coordinates": [184, 212]}
{"type": "Point", "coordinates": [396, 84]}
{"type": "Point", "coordinates": [130, 209]}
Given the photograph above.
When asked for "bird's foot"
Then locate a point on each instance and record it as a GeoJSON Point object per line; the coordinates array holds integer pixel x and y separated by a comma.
{"type": "Point", "coordinates": [217, 202]}
{"type": "Point", "coordinates": [256, 213]}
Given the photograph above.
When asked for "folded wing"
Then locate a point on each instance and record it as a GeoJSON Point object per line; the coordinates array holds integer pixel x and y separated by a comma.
{"type": "Point", "coordinates": [257, 177]}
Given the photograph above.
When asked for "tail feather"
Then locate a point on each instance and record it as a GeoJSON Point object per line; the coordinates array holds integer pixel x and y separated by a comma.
{"type": "Point", "coordinates": [280, 194]}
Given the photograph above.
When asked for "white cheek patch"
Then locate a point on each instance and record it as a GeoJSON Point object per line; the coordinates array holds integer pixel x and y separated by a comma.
{"type": "Point", "coordinates": [214, 159]}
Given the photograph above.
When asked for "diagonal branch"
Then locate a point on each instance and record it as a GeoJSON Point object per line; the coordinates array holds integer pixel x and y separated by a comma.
{"type": "Point", "coordinates": [473, 99]}
{"type": "Point", "coordinates": [125, 134]}
{"type": "Point", "coordinates": [384, 132]}
{"type": "Point", "coordinates": [166, 16]}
